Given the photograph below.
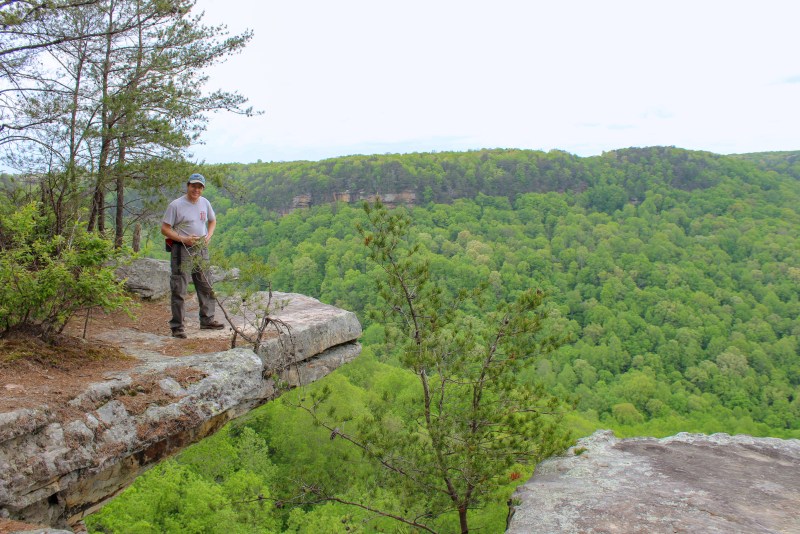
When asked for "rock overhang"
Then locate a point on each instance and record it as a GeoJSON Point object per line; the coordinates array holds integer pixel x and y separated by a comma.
{"type": "Point", "coordinates": [58, 464]}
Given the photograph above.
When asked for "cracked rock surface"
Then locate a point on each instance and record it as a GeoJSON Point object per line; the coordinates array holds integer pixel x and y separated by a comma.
{"type": "Point", "coordinates": [717, 484]}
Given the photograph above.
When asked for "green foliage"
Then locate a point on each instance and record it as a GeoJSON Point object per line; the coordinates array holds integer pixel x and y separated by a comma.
{"type": "Point", "coordinates": [45, 279]}
{"type": "Point", "coordinates": [102, 101]}
{"type": "Point", "coordinates": [609, 181]}
{"type": "Point", "coordinates": [180, 501]}
{"type": "Point", "coordinates": [445, 445]}
{"type": "Point", "coordinates": [682, 305]}
{"type": "Point", "coordinates": [268, 452]}
{"type": "Point", "coordinates": [700, 259]}
{"type": "Point", "coordinates": [219, 485]}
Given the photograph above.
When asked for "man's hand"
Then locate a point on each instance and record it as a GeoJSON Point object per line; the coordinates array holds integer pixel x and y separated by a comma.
{"type": "Point", "coordinates": [190, 240]}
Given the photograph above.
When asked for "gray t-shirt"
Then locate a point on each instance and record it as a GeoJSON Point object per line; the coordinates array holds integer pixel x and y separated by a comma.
{"type": "Point", "coordinates": [187, 218]}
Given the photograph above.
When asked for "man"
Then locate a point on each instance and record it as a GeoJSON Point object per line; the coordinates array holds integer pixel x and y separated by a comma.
{"type": "Point", "coordinates": [189, 223]}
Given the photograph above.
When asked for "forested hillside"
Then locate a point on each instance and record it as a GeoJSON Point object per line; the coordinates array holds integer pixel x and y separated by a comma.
{"type": "Point", "coordinates": [445, 176]}
{"type": "Point", "coordinates": [782, 162]}
{"type": "Point", "coordinates": [672, 274]}
{"type": "Point", "coordinates": [675, 272]}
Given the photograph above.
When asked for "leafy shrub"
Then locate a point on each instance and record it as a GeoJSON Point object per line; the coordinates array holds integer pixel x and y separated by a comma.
{"type": "Point", "coordinates": [45, 279]}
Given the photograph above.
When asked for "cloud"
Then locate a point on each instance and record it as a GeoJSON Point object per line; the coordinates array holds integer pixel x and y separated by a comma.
{"type": "Point", "coordinates": [336, 80]}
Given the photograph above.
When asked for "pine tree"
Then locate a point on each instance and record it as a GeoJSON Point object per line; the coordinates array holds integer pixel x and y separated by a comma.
{"type": "Point", "coordinates": [451, 446]}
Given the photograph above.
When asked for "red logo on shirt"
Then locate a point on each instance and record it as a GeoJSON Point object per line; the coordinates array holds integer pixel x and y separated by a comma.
{"type": "Point", "coordinates": [202, 216]}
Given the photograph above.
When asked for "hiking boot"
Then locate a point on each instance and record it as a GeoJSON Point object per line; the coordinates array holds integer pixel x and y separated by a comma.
{"type": "Point", "coordinates": [213, 325]}
{"type": "Point", "coordinates": [179, 333]}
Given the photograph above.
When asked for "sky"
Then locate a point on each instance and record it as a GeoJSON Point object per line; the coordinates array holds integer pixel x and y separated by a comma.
{"type": "Point", "coordinates": [336, 78]}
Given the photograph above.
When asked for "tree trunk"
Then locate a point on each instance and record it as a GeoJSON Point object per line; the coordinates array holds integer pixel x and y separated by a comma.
{"type": "Point", "coordinates": [98, 215]}
{"type": "Point", "coordinates": [137, 237]}
{"type": "Point", "coordinates": [462, 519]}
{"type": "Point", "coordinates": [70, 177]}
{"type": "Point", "coordinates": [119, 219]}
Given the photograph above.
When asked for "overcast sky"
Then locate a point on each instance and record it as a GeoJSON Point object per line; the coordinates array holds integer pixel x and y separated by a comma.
{"type": "Point", "coordinates": [348, 77]}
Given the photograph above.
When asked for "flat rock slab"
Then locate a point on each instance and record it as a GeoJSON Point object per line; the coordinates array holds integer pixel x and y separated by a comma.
{"type": "Point", "coordinates": [684, 483]}
{"type": "Point", "coordinates": [313, 328]}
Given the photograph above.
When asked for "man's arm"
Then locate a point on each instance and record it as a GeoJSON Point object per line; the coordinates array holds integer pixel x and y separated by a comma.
{"type": "Point", "coordinates": [211, 226]}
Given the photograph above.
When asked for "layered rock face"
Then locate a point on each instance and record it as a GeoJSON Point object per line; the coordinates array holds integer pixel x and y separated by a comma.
{"type": "Point", "coordinates": [684, 483]}
{"type": "Point", "coordinates": [60, 463]}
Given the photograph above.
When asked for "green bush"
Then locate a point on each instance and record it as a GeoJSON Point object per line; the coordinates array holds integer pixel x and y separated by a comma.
{"type": "Point", "coordinates": [626, 413]}
{"type": "Point", "coordinates": [45, 279]}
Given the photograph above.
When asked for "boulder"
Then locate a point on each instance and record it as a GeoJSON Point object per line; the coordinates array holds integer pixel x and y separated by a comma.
{"type": "Point", "coordinates": [146, 277]}
{"type": "Point", "coordinates": [684, 483]}
{"type": "Point", "coordinates": [149, 277]}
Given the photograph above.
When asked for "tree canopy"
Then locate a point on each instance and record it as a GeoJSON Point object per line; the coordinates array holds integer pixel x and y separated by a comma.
{"type": "Point", "coordinates": [102, 95]}
{"type": "Point", "coordinates": [680, 302]}
{"type": "Point", "coordinates": [663, 269]}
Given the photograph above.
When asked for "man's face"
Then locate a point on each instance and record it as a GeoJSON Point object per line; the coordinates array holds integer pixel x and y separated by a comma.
{"type": "Point", "coordinates": [194, 191]}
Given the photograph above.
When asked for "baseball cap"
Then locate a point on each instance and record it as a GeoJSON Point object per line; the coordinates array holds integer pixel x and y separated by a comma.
{"type": "Point", "coordinates": [197, 179]}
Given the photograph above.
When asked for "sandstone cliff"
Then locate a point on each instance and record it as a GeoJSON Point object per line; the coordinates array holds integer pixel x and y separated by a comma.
{"type": "Point", "coordinates": [59, 463]}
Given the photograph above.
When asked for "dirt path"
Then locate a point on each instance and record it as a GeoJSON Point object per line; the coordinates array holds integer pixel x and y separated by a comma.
{"type": "Point", "coordinates": [39, 374]}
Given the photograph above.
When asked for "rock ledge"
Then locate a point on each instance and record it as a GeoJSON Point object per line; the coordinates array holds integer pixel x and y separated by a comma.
{"type": "Point", "coordinates": [684, 483]}
{"type": "Point", "coordinates": [60, 463]}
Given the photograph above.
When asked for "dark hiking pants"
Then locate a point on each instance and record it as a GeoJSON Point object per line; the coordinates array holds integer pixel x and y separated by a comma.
{"type": "Point", "coordinates": [186, 262]}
